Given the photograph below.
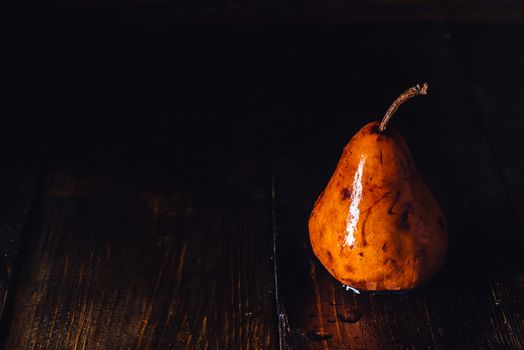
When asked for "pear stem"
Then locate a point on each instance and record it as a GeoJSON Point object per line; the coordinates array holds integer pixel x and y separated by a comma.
{"type": "Point", "coordinates": [419, 89]}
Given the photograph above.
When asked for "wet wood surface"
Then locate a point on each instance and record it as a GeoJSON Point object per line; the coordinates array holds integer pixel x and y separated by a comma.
{"type": "Point", "coordinates": [162, 199]}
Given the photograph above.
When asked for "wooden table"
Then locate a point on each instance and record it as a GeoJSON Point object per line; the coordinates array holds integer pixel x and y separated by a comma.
{"type": "Point", "coordinates": [156, 184]}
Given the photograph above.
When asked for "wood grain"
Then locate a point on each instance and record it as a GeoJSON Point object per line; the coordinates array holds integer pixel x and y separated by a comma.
{"type": "Point", "coordinates": [134, 263]}
{"type": "Point", "coordinates": [28, 101]}
{"type": "Point", "coordinates": [151, 234]}
{"type": "Point", "coordinates": [169, 199]}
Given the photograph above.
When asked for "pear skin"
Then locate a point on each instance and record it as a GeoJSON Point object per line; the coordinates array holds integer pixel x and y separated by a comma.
{"type": "Point", "coordinates": [376, 226]}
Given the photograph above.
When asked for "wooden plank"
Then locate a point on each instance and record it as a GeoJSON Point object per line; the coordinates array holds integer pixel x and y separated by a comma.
{"type": "Point", "coordinates": [29, 102]}
{"type": "Point", "coordinates": [492, 64]}
{"type": "Point", "coordinates": [473, 302]}
{"type": "Point", "coordinates": [156, 226]}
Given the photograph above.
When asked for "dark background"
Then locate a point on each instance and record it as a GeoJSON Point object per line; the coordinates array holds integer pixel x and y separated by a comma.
{"type": "Point", "coordinates": [159, 162]}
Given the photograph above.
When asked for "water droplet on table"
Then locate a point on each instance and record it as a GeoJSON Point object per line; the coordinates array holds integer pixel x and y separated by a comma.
{"type": "Point", "coordinates": [350, 315]}
{"type": "Point", "coordinates": [350, 289]}
{"type": "Point", "coordinates": [318, 336]}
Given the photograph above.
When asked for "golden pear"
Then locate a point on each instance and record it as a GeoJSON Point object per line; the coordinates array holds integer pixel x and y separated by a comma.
{"type": "Point", "coordinates": [376, 226]}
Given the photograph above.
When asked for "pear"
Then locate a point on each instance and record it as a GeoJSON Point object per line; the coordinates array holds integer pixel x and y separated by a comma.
{"type": "Point", "coordinates": [376, 226]}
